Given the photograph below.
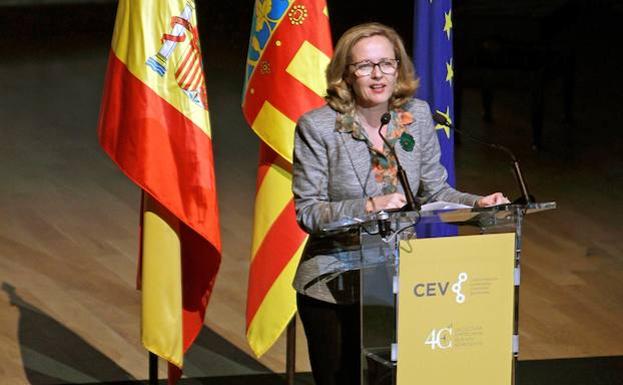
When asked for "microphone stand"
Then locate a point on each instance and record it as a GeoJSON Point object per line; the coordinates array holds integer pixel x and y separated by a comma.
{"type": "Point", "coordinates": [412, 204]}
{"type": "Point", "coordinates": [525, 197]}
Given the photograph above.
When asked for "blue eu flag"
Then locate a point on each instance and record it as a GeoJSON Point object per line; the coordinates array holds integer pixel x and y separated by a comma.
{"type": "Point", "coordinates": [433, 63]}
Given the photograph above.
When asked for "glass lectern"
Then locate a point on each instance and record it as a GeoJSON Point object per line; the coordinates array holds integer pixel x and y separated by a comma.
{"type": "Point", "coordinates": [450, 316]}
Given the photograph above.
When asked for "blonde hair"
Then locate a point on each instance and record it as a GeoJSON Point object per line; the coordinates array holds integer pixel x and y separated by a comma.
{"type": "Point", "coordinates": [340, 94]}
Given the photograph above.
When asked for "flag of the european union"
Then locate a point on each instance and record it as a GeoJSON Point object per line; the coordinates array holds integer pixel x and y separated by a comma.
{"type": "Point", "coordinates": [433, 63]}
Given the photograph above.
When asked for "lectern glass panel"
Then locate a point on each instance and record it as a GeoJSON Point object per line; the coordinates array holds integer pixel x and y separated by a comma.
{"type": "Point", "coordinates": [378, 313]}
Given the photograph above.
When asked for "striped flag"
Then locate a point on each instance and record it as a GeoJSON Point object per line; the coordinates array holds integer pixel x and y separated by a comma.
{"type": "Point", "coordinates": [433, 63]}
{"type": "Point", "coordinates": [289, 49]}
{"type": "Point", "coordinates": [154, 124]}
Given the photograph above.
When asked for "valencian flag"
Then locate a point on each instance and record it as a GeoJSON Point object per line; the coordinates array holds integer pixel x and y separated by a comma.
{"type": "Point", "coordinates": [154, 124]}
{"type": "Point", "coordinates": [433, 63]}
{"type": "Point", "coordinates": [289, 49]}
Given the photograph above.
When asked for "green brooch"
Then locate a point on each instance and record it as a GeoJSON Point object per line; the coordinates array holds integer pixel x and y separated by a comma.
{"type": "Point", "coordinates": [407, 142]}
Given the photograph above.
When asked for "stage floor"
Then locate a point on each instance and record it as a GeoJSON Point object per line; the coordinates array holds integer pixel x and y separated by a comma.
{"type": "Point", "coordinates": [572, 371]}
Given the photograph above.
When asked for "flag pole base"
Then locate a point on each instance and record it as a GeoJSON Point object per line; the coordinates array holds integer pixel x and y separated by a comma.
{"type": "Point", "coordinates": [291, 351]}
{"type": "Point", "coordinates": [153, 369]}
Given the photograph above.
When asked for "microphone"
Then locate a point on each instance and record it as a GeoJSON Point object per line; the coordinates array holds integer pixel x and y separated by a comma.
{"type": "Point", "coordinates": [525, 197]}
{"type": "Point", "coordinates": [412, 204]}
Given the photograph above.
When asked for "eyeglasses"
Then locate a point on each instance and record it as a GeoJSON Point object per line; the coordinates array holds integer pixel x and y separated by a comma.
{"type": "Point", "coordinates": [366, 67]}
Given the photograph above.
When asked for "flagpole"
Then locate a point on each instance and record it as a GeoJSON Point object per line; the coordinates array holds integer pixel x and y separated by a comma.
{"type": "Point", "coordinates": [153, 369]}
{"type": "Point", "coordinates": [152, 358]}
{"type": "Point", "coordinates": [291, 351]}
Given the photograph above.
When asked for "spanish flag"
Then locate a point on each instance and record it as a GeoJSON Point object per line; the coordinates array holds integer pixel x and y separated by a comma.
{"type": "Point", "coordinates": [289, 49]}
{"type": "Point", "coordinates": [154, 124]}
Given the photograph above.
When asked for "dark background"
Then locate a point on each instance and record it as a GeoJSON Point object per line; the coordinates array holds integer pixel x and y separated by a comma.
{"type": "Point", "coordinates": [498, 46]}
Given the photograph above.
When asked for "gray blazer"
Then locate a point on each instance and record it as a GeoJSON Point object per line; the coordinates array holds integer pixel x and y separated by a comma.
{"type": "Point", "coordinates": [332, 178]}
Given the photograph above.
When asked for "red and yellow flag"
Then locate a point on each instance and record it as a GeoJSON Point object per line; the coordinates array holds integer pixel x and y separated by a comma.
{"type": "Point", "coordinates": [289, 49]}
{"type": "Point", "coordinates": [154, 124]}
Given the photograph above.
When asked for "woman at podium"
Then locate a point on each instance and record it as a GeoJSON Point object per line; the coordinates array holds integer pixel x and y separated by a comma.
{"type": "Point", "coordinates": [343, 168]}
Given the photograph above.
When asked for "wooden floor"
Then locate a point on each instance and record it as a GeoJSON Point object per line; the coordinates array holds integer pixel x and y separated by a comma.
{"type": "Point", "coordinates": [68, 220]}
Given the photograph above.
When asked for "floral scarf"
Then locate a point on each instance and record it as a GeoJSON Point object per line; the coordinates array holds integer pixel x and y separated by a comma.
{"type": "Point", "coordinates": [383, 163]}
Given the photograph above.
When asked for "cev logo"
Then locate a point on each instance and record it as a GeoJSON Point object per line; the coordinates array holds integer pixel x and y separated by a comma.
{"type": "Point", "coordinates": [430, 289]}
{"type": "Point", "coordinates": [433, 289]}
{"type": "Point", "coordinates": [456, 288]}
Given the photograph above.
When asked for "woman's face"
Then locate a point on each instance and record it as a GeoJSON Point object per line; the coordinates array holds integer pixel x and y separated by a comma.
{"type": "Point", "coordinates": [376, 88]}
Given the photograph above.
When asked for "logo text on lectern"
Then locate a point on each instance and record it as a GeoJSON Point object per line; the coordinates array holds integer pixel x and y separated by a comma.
{"type": "Point", "coordinates": [431, 289]}
{"type": "Point", "coordinates": [434, 289]}
{"type": "Point", "coordinates": [439, 338]}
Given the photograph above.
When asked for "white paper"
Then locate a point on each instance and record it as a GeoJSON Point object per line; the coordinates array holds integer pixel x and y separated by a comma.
{"type": "Point", "coordinates": [441, 205]}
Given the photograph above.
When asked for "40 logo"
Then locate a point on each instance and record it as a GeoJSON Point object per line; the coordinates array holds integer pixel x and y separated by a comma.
{"type": "Point", "coordinates": [440, 338]}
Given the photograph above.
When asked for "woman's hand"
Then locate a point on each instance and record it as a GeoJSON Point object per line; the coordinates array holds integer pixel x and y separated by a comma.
{"type": "Point", "coordinates": [385, 202]}
{"type": "Point", "coordinates": [496, 198]}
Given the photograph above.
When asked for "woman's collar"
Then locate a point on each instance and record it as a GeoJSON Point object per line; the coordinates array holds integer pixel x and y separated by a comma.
{"type": "Point", "coordinates": [347, 123]}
